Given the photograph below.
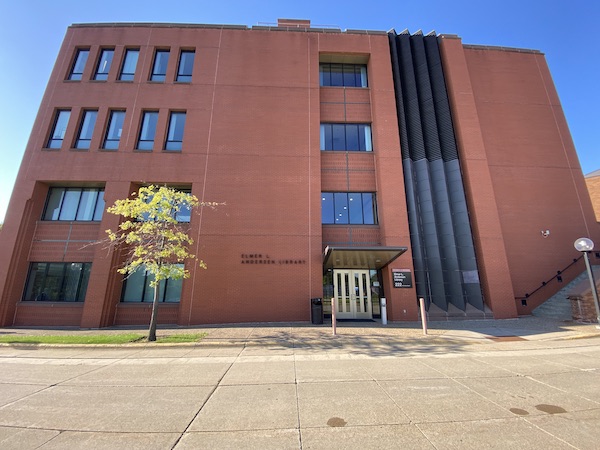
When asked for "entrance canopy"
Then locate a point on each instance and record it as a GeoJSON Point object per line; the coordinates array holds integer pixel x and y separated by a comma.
{"type": "Point", "coordinates": [360, 257]}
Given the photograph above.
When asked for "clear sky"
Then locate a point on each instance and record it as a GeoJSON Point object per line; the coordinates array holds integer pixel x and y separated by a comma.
{"type": "Point", "coordinates": [31, 32]}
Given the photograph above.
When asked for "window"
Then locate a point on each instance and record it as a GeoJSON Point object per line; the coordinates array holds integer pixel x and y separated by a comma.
{"type": "Point", "coordinates": [186, 65]}
{"type": "Point", "coordinates": [357, 208]}
{"type": "Point", "coordinates": [159, 68]}
{"type": "Point", "coordinates": [138, 289]}
{"type": "Point", "coordinates": [175, 133]}
{"type": "Point", "coordinates": [59, 128]}
{"type": "Point", "coordinates": [347, 75]}
{"type": "Point", "coordinates": [147, 130]}
{"type": "Point", "coordinates": [346, 137]}
{"type": "Point", "coordinates": [57, 282]}
{"type": "Point", "coordinates": [129, 64]}
{"type": "Point", "coordinates": [104, 62]}
{"type": "Point", "coordinates": [74, 204]}
{"type": "Point", "coordinates": [114, 130]}
{"type": "Point", "coordinates": [88, 120]}
{"type": "Point", "coordinates": [182, 215]}
{"type": "Point", "coordinates": [79, 64]}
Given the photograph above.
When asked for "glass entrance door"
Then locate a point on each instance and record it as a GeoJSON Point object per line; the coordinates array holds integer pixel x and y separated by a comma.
{"type": "Point", "coordinates": [352, 289]}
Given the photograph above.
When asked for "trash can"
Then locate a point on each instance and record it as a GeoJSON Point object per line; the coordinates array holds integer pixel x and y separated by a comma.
{"type": "Point", "coordinates": [316, 311]}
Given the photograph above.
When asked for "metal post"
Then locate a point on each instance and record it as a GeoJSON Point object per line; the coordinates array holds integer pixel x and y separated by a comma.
{"type": "Point", "coordinates": [382, 302]}
{"type": "Point", "coordinates": [423, 314]}
{"type": "Point", "coordinates": [593, 283]}
{"type": "Point", "coordinates": [333, 324]}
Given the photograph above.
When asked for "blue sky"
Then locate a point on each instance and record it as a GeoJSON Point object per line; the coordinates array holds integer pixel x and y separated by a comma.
{"type": "Point", "coordinates": [31, 33]}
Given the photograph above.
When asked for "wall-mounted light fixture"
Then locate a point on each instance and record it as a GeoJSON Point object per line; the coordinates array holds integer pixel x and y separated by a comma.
{"type": "Point", "coordinates": [545, 233]}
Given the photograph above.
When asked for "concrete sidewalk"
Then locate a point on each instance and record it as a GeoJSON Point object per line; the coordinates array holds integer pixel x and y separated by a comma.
{"type": "Point", "coordinates": [521, 384]}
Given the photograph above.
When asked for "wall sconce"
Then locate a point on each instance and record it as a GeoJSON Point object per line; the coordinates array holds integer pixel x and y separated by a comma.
{"type": "Point", "coordinates": [545, 233]}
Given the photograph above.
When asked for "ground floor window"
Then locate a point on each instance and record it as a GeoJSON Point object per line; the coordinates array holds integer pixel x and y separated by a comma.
{"type": "Point", "coordinates": [137, 288]}
{"type": "Point", "coordinates": [57, 282]}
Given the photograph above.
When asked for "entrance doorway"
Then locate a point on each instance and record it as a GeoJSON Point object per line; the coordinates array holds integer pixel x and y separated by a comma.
{"type": "Point", "coordinates": [352, 294]}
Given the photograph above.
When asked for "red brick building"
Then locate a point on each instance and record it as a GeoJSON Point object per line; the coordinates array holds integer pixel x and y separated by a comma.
{"type": "Point", "coordinates": [356, 165]}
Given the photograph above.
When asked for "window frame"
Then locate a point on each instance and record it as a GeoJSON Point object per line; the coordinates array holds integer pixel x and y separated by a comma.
{"type": "Point", "coordinates": [341, 208]}
{"type": "Point", "coordinates": [83, 143]}
{"type": "Point", "coordinates": [147, 292]}
{"type": "Point", "coordinates": [184, 77]}
{"type": "Point", "coordinates": [78, 76]}
{"type": "Point", "coordinates": [148, 145]}
{"type": "Point", "coordinates": [61, 209]}
{"type": "Point", "coordinates": [171, 143]}
{"type": "Point", "coordinates": [45, 281]}
{"type": "Point", "coordinates": [104, 58]}
{"type": "Point", "coordinates": [160, 77]}
{"type": "Point", "coordinates": [337, 137]}
{"type": "Point", "coordinates": [358, 79]}
{"type": "Point", "coordinates": [53, 141]}
{"type": "Point", "coordinates": [109, 125]}
{"type": "Point", "coordinates": [129, 76]}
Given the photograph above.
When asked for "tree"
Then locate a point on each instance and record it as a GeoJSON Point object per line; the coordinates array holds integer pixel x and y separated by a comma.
{"type": "Point", "coordinates": [153, 237]}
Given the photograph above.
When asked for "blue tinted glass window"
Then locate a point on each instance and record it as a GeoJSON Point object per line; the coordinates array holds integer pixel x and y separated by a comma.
{"type": "Point", "coordinates": [340, 200]}
{"type": "Point", "coordinates": [186, 65]}
{"type": "Point", "coordinates": [327, 213]}
{"type": "Point", "coordinates": [343, 208]}
{"type": "Point", "coordinates": [159, 68]}
{"type": "Point", "coordinates": [86, 130]}
{"type": "Point", "coordinates": [346, 137]}
{"type": "Point", "coordinates": [175, 133]}
{"type": "Point", "coordinates": [129, 65]}
{"type": "Point", "coordinates": [147, 130]}
{"type": "Point", "coordinates": [59, 129]}
{"type": "Point", "coordinates": [79, 64]}
{"type": "Point", "coordinates": [114, 130]}
{"type": "Point", "coordinates": [80, 204]}
{"type": "Point", "coordinates": [104, 62]}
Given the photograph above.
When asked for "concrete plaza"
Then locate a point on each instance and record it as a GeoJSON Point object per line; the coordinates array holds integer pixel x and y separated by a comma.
{"type": "Point", "coordinates": [523, 383]}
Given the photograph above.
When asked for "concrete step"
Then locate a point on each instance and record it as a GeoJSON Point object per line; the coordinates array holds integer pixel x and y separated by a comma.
{"type": "Point", "coordinates": [470, 313]}
{"type": "Point", "coordinates": [558, 306]}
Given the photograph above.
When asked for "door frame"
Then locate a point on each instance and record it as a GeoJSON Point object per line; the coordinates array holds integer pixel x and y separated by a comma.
{"type": "Point", "coordinates": [352, 294]}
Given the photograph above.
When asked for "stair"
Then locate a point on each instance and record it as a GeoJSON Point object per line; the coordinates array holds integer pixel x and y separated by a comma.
{"type": "Point", "coordinates": [470, 313]}
{"type": "Point", "coordinates": [558, 307]}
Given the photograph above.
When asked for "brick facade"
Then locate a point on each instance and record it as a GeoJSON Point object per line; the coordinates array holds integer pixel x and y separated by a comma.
{"type": "Point", "coordinates": [252, 140]}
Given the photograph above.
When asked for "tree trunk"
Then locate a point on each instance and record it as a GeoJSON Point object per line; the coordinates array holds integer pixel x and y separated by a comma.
{"type": "Point", "coordinates": [152, 330]}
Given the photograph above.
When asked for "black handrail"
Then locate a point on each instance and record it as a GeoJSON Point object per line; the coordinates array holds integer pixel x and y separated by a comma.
{"type": "Point", "coordinates": [558, 274]}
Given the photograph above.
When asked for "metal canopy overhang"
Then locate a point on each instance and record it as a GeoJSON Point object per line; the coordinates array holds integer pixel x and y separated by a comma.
{"type": "Point", "coordinates": [360, 257]}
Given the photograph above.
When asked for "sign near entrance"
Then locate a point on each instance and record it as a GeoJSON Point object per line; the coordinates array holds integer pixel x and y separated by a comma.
{"type": "Point", "coordinates": [402, 278]}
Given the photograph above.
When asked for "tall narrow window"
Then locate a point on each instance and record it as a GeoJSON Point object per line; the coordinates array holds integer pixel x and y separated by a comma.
{"type": "Point", "coordinates": [159, 68]}
{"type": "Point", "coordinates": [175, 134]}
{"type": "Point", "coordinates": [106, 57]}
{"type": "Point", "coordinates": [86, 129]}
{"type": "Point", "coordinates": [114, 130]}
{"type": "Point", "coordinates": [59, 128]}
{"type": "Point", "coordinates": [186, 65]}
{"type": "Point", "coordinates": [129, 64]}
{"type": "Point", "coordinates": [147, 130]}
{"type": "Point", "coordinates": [79, 64]}
{"type": "Point", "coordinates": [79, 204]}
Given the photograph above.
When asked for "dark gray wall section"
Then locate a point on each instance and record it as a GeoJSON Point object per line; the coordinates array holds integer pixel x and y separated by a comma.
{"type": "Point", "coordinates": [441, 237]}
